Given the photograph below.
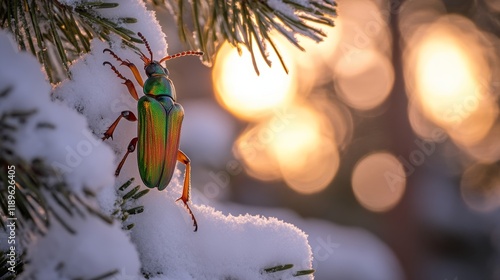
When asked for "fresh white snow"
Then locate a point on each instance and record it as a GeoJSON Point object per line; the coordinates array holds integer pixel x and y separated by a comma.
{"type": "Point", "coordinates": [83, 161]}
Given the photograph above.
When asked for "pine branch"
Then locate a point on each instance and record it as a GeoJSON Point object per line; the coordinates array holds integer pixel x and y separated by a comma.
{"type": "Point", "coordinates": [56, 33]}
{"type": "Point", "coordinates": [5, 273]}
{"type": "Point", "coordinates": [205, 24]}
{"type": "Point", "coordinates": [123, 205]}
{"type": "Point", "coordinates": [41, 197]}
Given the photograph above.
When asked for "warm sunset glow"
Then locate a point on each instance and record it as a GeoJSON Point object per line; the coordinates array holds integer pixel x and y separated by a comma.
{"type": "Point", "coordinates": [421, 125]}
{"type": "Point", "coordinates": [445, 78]}
{"type": "Point", "coordinates": [364, 79]}
{"type": "Point", "coordinates": [315, 173]}
{"type": "Point", "coordinates": [296, 145]}
{"type": "Point", "coordinates": [308, 160]}
{"type": "Point", "coordinates": [364, 27]}
{"type": "Point", "coordinates": [315, 51]}
{"type": "Point", "coordinates": [448, 75]}
{"type": "Point", "coordinates": [378, 181]}
{"type": "Point", "coordinates": [242, 91]}
{"type": "Point", "coordinates": [487, 151]}
{"type": "Point", "coordinates": [296, 138]}
{"type": "Point", "coordinates": [252, 148]}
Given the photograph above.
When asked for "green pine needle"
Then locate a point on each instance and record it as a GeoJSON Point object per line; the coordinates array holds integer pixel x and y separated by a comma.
{"type": "Point", "coordinates": [129, 226]}
{"type": "Point", "coordinates": [278, 268]}
{"type": "Point", "coordinates": [303, 272]}
{"type": "Point", "coordinates": [126, 184]}
{"type": "Point", "coordinates": [57, 33]}
{"type": "Point", "coordinates": [41, 197]}
{"type": "Point", "coordinates": [135, 210]}
{"type": "Point", "coordinates": [206, 24]}
{"type": "Point", "coordinates": [124, 202]}
{"type": "Point", "coordinates": [286, 267]}
{"type": "Point", "coordinates": [131, 193]}
{"type": "Point", "coordinates": [140, 194]}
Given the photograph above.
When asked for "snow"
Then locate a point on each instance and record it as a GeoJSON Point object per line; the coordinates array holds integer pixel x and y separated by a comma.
{"type": "Point", "coordinates": [95, 250]}
{"type": "Point", "coordinates": [340, 252]}
{"type": "Point", "coordinates": [285, 9]}
{"type": "Point", "coordinates": [84, 162]}
{"type": "Point", "coordinates": [224, 247]}
{"type": "Point", "coordinates": [68, 147]}
{"type": "Point", "coordinates": [162, 244]}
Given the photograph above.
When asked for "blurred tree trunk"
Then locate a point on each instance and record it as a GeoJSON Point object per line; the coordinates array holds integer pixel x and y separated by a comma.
{"type": "Point", "coordinates": [401, 222]}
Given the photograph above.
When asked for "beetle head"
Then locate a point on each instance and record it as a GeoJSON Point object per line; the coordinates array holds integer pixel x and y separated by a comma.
{"type": "Point", "coordinates": [154, 67]}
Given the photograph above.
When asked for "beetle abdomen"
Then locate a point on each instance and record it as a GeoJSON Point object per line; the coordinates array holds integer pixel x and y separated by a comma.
{"type": "Point", "coordinates": [159, 128]}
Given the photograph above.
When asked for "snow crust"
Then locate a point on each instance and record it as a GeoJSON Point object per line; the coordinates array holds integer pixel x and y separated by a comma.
{"type": "Point", "coordinates": [224, 247]}
{"type": "Point", "coordinates": [340, 252]}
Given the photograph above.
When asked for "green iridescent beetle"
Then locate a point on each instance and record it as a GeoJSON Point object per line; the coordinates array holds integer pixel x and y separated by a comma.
{"type": "Point", "coordinates": [159, 124]}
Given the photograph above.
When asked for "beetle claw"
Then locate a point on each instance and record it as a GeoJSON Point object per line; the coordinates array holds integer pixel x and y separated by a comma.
{"type": "Point", "coordinates": [106, 137]}
{"type": "Point", "coordinates": [195, 224]}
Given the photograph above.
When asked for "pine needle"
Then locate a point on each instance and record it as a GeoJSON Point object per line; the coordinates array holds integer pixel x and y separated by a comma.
{"type": "Point", "coordinates": [57, 33]}
{"type": "Point", "coordinates": [245, 22]}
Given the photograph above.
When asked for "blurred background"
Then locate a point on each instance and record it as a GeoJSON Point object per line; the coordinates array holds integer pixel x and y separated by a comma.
{"type": "Point", "coordinates": [381, 143]}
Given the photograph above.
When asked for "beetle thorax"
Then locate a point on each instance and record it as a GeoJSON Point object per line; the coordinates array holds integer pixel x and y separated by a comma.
{"type": "Point", "coordinates": [158, 82]}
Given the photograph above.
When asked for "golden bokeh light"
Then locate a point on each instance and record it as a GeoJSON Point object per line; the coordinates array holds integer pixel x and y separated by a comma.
{"type": "Point", "coordinates": [444, 78]}
{"type": "Point", "coordinates": [487, 151]}
{"type": "Point", "coordinates": [363, 27]}
{"type": "Point", "coordinates": [314, 174]}
{"type": "Point", "coordinates": [364, 80]}
{"type": "Point", "coordinates": [421, 125]}
{"type": "Point", "coordinates": [337, 113]}
{"type": "Point", "coordinates": [296, 145]}
{"type": "Point", "coordinates": [415, 15]}
{"type": "Point", "coordinates": [366, 26]}
{"type": "Point", "coordinates": [308, 159]}
{"type": "Point", "coordinates": [296, 138]}
{"type": "Point", "coordinates": [323, 50]}
{"type": "Point", "coordinates": [476, 127]}
{"type": "Point", "coordinates": [252, 148]}
{"type": "Point", "coordinates": [446, 71]}
{"type": "Point", "coordinates": [378, 181]}
{"type": "Point", "coordinates": [244, 93]}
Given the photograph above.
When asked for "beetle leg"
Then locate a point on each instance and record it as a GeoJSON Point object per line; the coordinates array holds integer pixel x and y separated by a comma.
{"type": "Point", "coordinates": [182, 157]}
{"type": "Point", "coordinates": [130, 149]}
{"type": "Point", "coordinates": [134, 70]}
{"type": "Point", "coordinates": [128, 83]}
{"type": "Point", "coordinates": [129, 64]}
{"type": "Point", "coordinates": [128, 115]}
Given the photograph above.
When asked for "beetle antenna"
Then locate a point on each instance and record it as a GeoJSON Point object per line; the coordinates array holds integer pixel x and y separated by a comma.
{"type": "Point", "coordinates": [185, 53]}
{"type": "Point", "coordinates": [147, 46]}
